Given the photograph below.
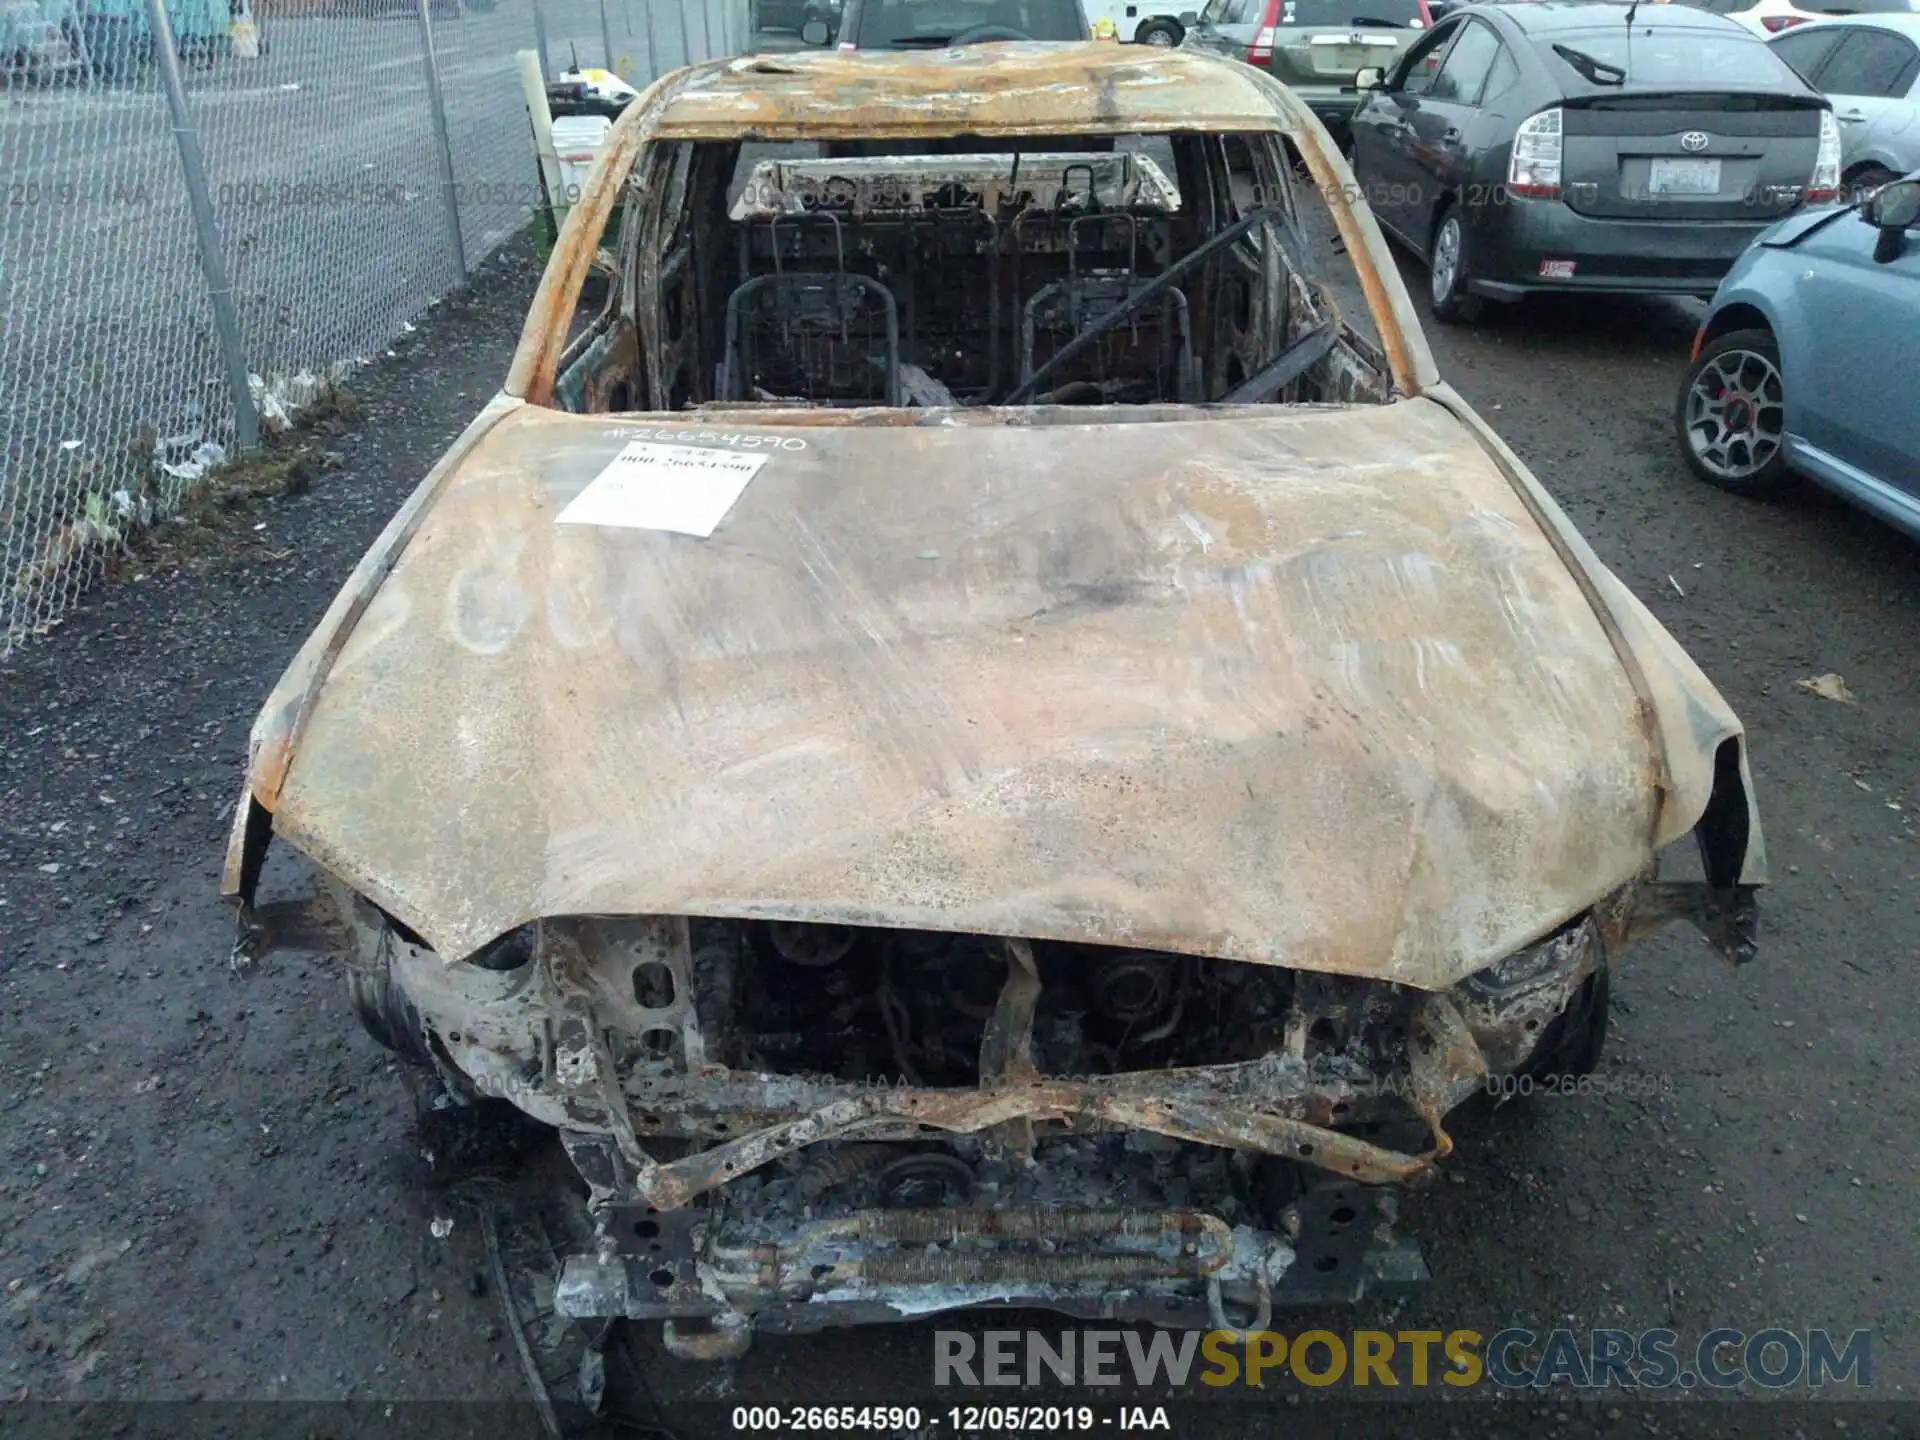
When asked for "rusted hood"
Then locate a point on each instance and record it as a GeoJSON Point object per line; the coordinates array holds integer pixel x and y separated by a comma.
{"type": "Point", "coordinates": [1306, 687]}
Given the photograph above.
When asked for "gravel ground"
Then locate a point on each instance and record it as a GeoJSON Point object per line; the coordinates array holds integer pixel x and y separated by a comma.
{"type": "Point", "coordinates": [211, 1185]}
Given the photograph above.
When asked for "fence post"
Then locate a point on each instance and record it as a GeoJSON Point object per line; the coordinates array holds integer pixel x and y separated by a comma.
{"type": "Point", "coordinates": [444, 142]}
{"type": "Point", "coordinates": [206, 233]}
{"type": "Point", "coordinates": [706, 27]}
{"type": "Point", "coordinates": [653, 45]}
{"type": "Point", "coordinates": [606, 38]}
{"type": "Point", "coordinates": [540, 42]}
{"type": "Point", "coordinates": [686, 43]}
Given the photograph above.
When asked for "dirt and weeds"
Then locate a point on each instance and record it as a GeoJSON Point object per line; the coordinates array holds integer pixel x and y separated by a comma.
{"type": "Point", "coordinates": [209, 1184]}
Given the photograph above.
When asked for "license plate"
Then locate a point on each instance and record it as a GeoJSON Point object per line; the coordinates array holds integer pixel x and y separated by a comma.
{"type": "Point", "coordinates": [1684, 177]}
{"type": "Point", "coordinates": [1345, 60]}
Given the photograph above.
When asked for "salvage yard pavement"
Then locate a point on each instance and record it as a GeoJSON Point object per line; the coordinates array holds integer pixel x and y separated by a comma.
{"type": "Point", "coordinates": [213, 1185]}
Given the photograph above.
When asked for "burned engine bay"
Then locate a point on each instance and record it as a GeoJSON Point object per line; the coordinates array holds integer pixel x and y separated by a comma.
{"type": "Point", "coordinates": [1125, 270]}
{"type": "Point", "coordinates": [784, 1126]}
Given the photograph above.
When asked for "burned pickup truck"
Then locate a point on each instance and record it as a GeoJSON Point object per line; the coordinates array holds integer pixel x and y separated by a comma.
{"type": "Point", "coordinates": [983, 735]}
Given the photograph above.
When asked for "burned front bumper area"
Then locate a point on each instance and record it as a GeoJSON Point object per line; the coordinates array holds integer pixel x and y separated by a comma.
{"type": "Point", "coordinates": [716, 1274]}
{"type": "Point", "coordinates": [786, 1127]}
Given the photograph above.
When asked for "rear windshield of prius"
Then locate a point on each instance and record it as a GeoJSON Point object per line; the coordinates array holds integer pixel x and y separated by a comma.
{"type": "Point", "coordinates": [1346, 13]}
{"type": "Point", "coordinates": [1320, 14]}
{"type": "Point", "coordinates": [915, 23]}
{"type": "Point", "coordinates": [1676, 56]}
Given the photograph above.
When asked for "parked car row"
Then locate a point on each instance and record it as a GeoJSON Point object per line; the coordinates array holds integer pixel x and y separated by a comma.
{"type": "Point", "coordinates": [34, 49]}
{"type": "Point", "coordinates": [1639, 149]}
{"type": "Point", "coordinates": [51, 41]}
{"type": "Point", "coordinates": [1316, 47]}
{"type": "Point", "coordinates": [1870, 68]}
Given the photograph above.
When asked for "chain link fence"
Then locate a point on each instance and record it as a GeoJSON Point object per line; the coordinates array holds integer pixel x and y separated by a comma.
{"type": "Point", "coordinates": [333, 206]}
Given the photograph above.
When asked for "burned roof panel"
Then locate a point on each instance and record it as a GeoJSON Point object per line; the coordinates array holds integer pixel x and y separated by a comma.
{"type": "Point", "coordinates": [1012, 89]}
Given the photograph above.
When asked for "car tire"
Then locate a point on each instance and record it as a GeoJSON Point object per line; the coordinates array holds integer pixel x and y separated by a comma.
{"type": "Point", "coordinates": [1449, 271]}
{"type": "Point", "coordinates": [1730, 418]}
{"type": "Point", "coordinates": [1161, 34]}
{"type": "Point", "coordinates": [1574, 1039]}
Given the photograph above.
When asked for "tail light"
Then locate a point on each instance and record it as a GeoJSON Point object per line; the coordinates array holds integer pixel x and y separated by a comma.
{"type": "Point", "coordinates": [1776, 23]}
{"type": "Point", "coordinates": [1260, 52]}
{"type": "Point", "coordinates": [1533, 170]}
{"type": "Point", "coordinates": [1825, 184]}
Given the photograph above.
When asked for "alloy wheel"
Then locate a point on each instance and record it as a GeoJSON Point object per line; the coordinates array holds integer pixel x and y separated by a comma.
{"type": "Point", "coordinates": [1735, 415]}
{"type": "Point", "coordinates": [1446, 259]}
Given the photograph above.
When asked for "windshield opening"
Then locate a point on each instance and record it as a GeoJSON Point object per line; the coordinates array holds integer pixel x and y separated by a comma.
{"type": "Point", "coordinates": [1668, 56]}
{"type": "Point", "coordinates": [1147, 270]}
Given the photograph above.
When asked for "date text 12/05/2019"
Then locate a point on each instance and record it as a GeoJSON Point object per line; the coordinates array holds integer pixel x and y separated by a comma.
{"type": "Point", "coordinates": [1040, 1419]}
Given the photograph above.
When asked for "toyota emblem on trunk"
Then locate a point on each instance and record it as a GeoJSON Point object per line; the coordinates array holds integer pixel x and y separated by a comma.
{"type": "Point", "coordinates": [1694, 141]}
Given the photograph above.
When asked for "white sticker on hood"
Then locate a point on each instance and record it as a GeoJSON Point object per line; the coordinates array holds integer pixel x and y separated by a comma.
{"type": "Point", "coordinates": [648, 486]}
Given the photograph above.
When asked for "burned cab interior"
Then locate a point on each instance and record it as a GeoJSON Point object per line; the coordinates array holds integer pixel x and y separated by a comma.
{"type": "Point", "coordinates": [1123, 270]}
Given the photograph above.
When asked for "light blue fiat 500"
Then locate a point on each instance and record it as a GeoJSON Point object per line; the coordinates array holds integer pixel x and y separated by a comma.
{"type": "Point", "coordinates": [1809, 361]}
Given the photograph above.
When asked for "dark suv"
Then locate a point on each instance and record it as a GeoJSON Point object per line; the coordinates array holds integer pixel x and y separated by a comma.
{"type": "Point", "coordinates": [1314, 47]}
{"type": "Point", "coordinates": [936, 24]}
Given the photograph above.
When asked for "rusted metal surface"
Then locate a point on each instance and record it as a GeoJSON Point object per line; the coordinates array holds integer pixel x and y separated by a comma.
{"type": "Point", "coordinates": [275, 731]}
{"type": "Point", "coordinates": [669, 1185]}
{"type": "Point", "coordinates": [1202, 1245]}
{"type": "Point", "coordinates": [1365, 244]}
{"type": "Point", "coordinates": [1444, 1065]}
{"type": "Point", "coordinates": [1508, 1006]}
{"type": "Point", "coordinates": [1110, 781]}
{"type": "Point", "coordinates": [892, 185]}
{"type": "Point", "coordinates": [1678, 709]}
{"type": "Point", "coordinates": [1003, 89]}
{"type": "Point", "coordinates": [1310, 689]}
{"type": "Point", "coordinates": [558, 1036]}
{"type": "Point", "coordinates": [883, 1264]}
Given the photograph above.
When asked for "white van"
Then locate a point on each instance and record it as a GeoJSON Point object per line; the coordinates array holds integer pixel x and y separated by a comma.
{"type": "Point", "coordinates": [1141, 21]}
